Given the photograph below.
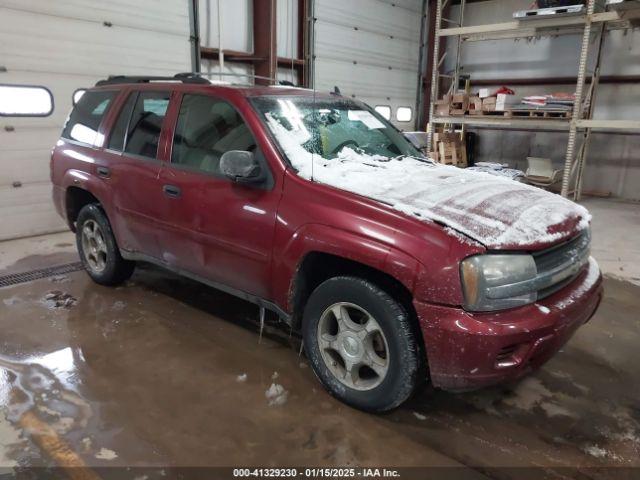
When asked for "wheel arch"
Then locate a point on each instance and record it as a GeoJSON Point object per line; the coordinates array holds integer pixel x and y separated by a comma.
{"type": "Point", "coordinates": [75, 199]}
{"type": "Point", "coordinates": [318, 266]}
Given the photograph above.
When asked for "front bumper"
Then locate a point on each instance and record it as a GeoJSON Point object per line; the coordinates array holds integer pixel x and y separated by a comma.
{"type": "Point", "coordinates": [468, 350]}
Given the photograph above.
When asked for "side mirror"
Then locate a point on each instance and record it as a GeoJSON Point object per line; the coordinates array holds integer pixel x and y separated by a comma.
{"type": "Point", "coordinates": [241, 167]}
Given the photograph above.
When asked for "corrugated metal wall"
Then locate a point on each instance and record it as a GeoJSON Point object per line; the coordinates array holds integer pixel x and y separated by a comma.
{"type": "Point", "coordinates": [370, 49]}
{"type": "Point", "coordinates": [65, 45]}
{"type": "Point", "coordinates": [613, 163]}
{"type": "Point", "coordinates": [237, 33]}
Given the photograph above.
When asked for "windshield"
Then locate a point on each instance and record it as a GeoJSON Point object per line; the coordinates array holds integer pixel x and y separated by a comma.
{"type": "Point", "coordinates": [332, 129]}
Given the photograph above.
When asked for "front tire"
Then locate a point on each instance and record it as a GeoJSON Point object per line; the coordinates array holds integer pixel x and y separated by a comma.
{"type": "Point", "coordinates": [361, 344]}
{"type": "Point", "coordinates": [98, 250]}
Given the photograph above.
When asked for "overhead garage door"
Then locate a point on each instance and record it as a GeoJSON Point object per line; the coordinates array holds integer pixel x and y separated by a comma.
{"type": "Point", "coordinates": [370, 50]}
{"type": "Point", "coordinates": [65, 45]}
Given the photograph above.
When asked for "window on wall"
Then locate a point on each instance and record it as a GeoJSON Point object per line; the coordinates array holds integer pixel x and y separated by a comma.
{"type": "Point", "coordinates": [82, 125]}
{"type": "Point", "coordinates": [25, 101]}
{"type": "Point", "coordinates": [404, 114]}
{"type": "Point", "coordinates": [208, 127]}
{"type": "Point", "coordinates": [384, 110]}
{"type": "Point", "coordinates": [145, 126]}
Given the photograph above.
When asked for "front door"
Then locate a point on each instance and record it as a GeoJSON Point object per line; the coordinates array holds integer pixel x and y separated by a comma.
{"type": "Point", "coordinates": [217, 229]}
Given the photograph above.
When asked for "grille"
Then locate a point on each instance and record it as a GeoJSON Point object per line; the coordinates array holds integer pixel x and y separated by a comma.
{"type": "Point", "coordinates": [560, 263]}
{"type": "Point", "coordinates": [24, 277]}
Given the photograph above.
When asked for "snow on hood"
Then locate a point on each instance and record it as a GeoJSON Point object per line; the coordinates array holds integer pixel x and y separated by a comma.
{"type": "Point", "coordinates": [497, 212]}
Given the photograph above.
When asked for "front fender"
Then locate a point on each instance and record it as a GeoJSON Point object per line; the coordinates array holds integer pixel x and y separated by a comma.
{"type": "Point", "coordinates": [340, 243]}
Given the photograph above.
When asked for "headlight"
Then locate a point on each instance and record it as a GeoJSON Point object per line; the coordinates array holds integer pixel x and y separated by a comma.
{"type": "Point", "coordinates": [491, 282]}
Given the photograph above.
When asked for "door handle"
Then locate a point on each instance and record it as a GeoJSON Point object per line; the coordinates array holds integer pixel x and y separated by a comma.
{"type": "Point", "coordinates": [104, 172]}
{"type": "Point", "coordinates": [171, 191]}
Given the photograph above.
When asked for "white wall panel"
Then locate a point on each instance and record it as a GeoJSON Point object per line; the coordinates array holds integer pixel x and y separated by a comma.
{"type": "Point", "coordinates": [65, 45]}
{"type": "Point", "coordinates": [370, 50]}
{"type": "Point", "coordinates": [166, 17]}
{"type": "Point", "coordinates": [287, 28]}
{"type": "Point", "coordinates": [237, 21]}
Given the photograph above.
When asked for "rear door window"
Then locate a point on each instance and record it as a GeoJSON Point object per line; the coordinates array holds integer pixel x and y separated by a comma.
{"type": "Point", "coordinates": [82, 125]}
{"type": "Point", "coordinates": [119, 130]}
{"type": "Point", "coordinates": [143, 132]}
{"type": "Point", "coordinates": [208, 127]}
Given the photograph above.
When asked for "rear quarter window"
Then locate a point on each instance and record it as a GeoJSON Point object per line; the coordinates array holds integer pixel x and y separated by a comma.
{"type": "Point", "coordinates": [82, 125]}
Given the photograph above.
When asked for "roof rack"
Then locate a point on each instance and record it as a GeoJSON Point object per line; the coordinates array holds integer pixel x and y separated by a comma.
{"type": "Point", "coordinates": [184, 77]}
{"type": "Point", "coordinates": [180, 77]}
{"type": "Point", "coordinates": [223, 74]}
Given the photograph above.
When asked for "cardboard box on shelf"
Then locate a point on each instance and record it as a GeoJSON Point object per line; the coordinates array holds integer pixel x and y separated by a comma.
{"type": "Point", "coordinates": [449, 149]}
{"type": "Point", "coordinates": [443, 106]}
{"type": "Point", "coordinates": [499, 103]}
{"type": "Point", "coordinates": [459, 104]}
{"type": "Point", "coordinates": [475, 106]}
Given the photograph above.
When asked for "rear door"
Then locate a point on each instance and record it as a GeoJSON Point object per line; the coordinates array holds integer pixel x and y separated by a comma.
{"type": "Point", "coordinates": [217, 229]}
{"type": "Point", "coordinates": [135, 163]}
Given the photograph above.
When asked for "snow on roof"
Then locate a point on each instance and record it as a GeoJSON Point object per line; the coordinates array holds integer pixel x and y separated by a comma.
{"type": "Point", "coordinates": [497, 212]}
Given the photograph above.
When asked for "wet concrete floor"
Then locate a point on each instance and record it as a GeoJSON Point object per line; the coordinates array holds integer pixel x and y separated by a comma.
{"type": "Point", "coordinates": [166, 372]}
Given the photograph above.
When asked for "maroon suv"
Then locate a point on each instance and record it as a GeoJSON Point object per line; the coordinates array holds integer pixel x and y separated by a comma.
{"type": "Point", "coordinates": [395, 269]}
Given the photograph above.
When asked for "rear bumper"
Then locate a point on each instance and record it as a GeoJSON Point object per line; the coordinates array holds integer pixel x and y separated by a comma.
{"type": "Point", "coordinates": [472, 350]}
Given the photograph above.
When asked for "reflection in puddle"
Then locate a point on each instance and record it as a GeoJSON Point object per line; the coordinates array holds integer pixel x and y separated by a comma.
{"type": "Point", "coordinates": [43, 384]}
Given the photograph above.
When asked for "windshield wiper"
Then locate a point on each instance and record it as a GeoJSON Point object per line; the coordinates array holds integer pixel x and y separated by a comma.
{"type": "Point", "coordinates": [420, 159]}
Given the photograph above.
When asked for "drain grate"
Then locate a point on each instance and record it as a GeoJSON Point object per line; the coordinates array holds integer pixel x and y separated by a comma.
{"type": "Point", "coordinates": [24, 277]}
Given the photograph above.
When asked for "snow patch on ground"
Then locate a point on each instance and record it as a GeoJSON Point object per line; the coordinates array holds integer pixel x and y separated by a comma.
{"type": "Point", "coordinates": [11, 301]}
{"type": "Point", "coordinates": [599, 452]}
{"type": "Point", "coordinates": [106, 454]}
{"type": "Point", "coordinates": [595, 451]}
{"type": "Point", "coordinates": [529, 393]}
{"type": "Point", "coordinates": [118, 305]}
{"type": "Point", "coordinates": [555, 410]}
{"type": "Point", "coordinates": [276, 395]}
{"type": "Point", "coordinates": [494, 211]}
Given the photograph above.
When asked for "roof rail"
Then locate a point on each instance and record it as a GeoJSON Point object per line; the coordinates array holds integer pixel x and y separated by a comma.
{"type": "Point", "coordinates": [181, 77]}
{"type": "Point", "coordinates": [223, 74]}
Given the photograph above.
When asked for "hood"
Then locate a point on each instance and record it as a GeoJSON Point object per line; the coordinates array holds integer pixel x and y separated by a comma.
{"type": "Point", "coordinates": [497, 212]}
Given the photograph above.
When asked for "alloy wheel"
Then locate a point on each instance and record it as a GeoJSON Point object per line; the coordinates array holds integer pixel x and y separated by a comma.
{"type": "Point", "coordinates": [94, 247]}
{"type": "Point", "coordinates": [353, 346]}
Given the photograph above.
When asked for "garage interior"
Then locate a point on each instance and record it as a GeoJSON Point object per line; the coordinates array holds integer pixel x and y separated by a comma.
{"type": "Point", "coordinates": [164, 373]}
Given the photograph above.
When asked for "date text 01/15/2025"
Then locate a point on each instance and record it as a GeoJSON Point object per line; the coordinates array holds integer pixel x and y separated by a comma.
{"type": "Point", "coordinates": [315, 473]}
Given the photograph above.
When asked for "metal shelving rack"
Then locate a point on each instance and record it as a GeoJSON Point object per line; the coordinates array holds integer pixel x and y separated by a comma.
{"type": "Point", "coordinates": [554, 26]}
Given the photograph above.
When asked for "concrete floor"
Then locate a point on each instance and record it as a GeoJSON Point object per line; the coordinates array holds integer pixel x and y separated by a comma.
{"type": "Point", "coordinates": [163, 372]}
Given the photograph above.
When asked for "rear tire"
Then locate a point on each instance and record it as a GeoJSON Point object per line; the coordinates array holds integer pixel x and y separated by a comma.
{"type": "Point", "coordinates": [369, 359]}
{"type": "Point", "coordinates": [98, 249]}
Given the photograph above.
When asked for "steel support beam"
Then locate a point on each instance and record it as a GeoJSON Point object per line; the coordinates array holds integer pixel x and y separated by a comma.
{"type": "Point", "coordinates": [303, 39]}
{"type": "Point", "coordinates": [194, 35]}
{"type": "Point", "coordinates": [265, 40]}
{"type": "Point", "coordinates": [427, 51]}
